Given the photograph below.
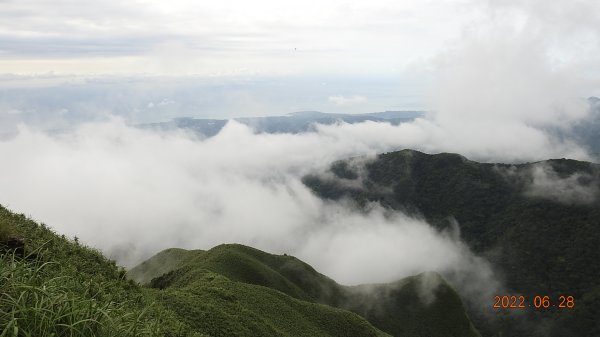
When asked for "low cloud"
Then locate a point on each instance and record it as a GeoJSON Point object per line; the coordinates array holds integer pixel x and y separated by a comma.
{"type": "Point", "coordinates": [521, 69]}
{"type": "Point", "coordinates": [577, 188]}
{"type": "Point", "coordinates": [133, 192]}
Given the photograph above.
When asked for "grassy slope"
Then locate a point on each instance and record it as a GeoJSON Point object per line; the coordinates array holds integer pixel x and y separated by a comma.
{"type": "Point", "coordinates": [222, 307]}
{"type": "Point", "coordinates": [542, 246]}
{"type": "Point", "coordinates": [66, 289]}
{"type": "Point", "coordinates": [396, 308]}
{"type": "Point", "coordinates": [231, 290]}
{"type": "Point", "coordinates": [161, 263]}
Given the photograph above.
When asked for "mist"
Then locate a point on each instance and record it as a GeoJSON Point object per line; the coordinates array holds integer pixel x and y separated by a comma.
{"type": "Point", "coordinates": [132, 192]}
{"type": "Point", "coordinates": [578, 188]}
{"type": "Point", "coordinates": [522, 68]}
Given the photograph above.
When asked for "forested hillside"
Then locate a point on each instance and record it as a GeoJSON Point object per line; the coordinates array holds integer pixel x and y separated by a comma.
{"type": "Point", "coordinates": [538, 223]}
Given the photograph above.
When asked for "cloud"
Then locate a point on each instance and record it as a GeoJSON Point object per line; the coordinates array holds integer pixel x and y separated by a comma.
{"type": "Point", "coordinates": [577, 188]}
{"type": "Point", "coordinates": [508, 143]}
{"type": "Point", "coordinates": [133, 192]}
{"type": "Point", "coordinates": [542, 180]}
{"type": "Point", "coordinates": [258, 37]}
{"type": "Point", "coordinates": [511, 77]}
{"type": "Point", "coordinates": [343, 100]}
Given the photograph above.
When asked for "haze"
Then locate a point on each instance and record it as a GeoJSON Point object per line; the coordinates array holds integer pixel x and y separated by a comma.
{"type": "Point", "coordinates": [495, 77]}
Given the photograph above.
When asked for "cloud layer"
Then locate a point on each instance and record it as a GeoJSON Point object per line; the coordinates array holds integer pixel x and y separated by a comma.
{"type": "Point", "coordinates": [133, 192]}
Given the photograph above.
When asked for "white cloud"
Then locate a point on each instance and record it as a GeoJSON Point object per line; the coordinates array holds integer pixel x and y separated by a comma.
{"type": "Point", "coordinates": [132, 192]}
{"type": "Point", "coordinates": [343, 100]}
{"type": "Point", "coordinates": [516, 73]}
{"type": "Point", "coordinates": [577, 188]}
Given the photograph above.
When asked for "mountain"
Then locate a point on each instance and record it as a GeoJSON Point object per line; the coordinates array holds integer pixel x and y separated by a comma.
{"type": "Point", "coordinates": [297, 122]}
{"type": "Point", "coordinates": [398, 308]}
{"type": "Point", "coordinates": [537, 223]}
{"type": "Point", "coordinates": [62, 288]}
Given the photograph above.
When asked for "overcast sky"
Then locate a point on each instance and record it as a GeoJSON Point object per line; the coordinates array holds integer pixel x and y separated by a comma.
{"type": "Point", "coordinates": [225, 37]}
{"type": "Point", "coordinates": [267, 57]}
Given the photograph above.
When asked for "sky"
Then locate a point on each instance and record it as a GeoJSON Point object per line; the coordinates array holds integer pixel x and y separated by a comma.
{"type": "Point", "coordinates": [263, 37]}
{"type": "Point", "coordinates": [497, 80]}
{"type": "Point", "coordinates": [68, 61]}
{"type": "Point", "coordinates": [245, 58]}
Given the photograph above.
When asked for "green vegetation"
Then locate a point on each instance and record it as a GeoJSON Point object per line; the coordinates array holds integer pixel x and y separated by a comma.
{"type": "Point", "coordinates": [40, 304]}
{"type": "Point", "coordinates": [230, 279]}
{"type": "Point", "coordinates": [62, 288]}
{"type": "Point", "coordinates": [6, 230]}
{"type": "Point", "coordinates": [407, 308]}
{"type": "Point", "coordinates": [222, 307]}
{"type": "Point", "coordinates": [540, 244]}
{"type": "Point", "coordinates": [159, 264]}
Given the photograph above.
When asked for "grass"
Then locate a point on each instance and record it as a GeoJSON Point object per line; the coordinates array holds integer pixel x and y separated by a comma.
{"type": "Point", "coordinates": [230, 279]}
{"type": "Point", "coordinates": [159, 264]}
{"type": "Point", "coordinates": [62, 288]}
{"type": "Point", "coordinates": [6, 230]}
{"type": "Point", "coordinates": [222, 307]}
{"type": "Point", "coordinates": [39, 304]}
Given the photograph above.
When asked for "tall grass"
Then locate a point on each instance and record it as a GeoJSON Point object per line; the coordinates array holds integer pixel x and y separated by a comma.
{"type": "Point", "coordinates": [6, 230]}
{"type": "Point", "coordinates": [64, 288]}
{"type": "Point", "coordinates": [35, 304]}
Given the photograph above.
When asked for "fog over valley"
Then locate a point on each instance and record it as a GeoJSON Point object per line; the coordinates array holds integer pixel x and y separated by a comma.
{"type": "Point", "coordinates": [147, 134]}
{"type": "Point", "coordinates": [131, 192]}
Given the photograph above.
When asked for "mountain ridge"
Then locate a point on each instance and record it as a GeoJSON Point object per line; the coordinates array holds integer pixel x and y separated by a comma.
{"type": "Point", "coordinates": [537, 223]}
{"type": "Point", "coordinates": [403, 310]}
{"type": "Point", "coordinates": [295, 122]}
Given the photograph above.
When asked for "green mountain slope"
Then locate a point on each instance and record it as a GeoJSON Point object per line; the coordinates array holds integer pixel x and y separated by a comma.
{"type": "Point", "coordinates": [62, 288]}
{"type": "Point", "coordinates": [538, 223]}
{"type": "Point", "coordinates": [161, 263]}
{"type": "Point", "coordinates": [407, 309]}
{"type": "Point", "coordinates": [214, 304]}
{"type": "Point", "coordinates": [403, 308]}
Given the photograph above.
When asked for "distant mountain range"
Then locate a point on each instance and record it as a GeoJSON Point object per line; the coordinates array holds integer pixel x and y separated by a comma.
{"type": "Point", "coordinates": [585, 132]}
{"type": "Point", "coordinates": [297, 122]}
